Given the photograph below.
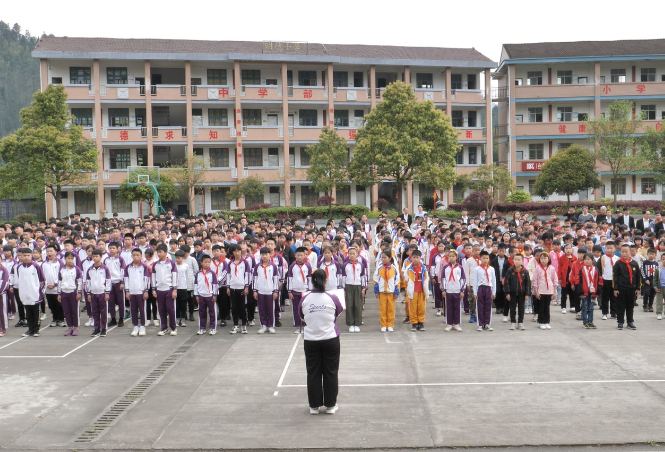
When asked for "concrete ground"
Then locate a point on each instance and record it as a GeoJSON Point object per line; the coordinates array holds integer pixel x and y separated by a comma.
{"type": "Point", "coordinates": [402, 390]}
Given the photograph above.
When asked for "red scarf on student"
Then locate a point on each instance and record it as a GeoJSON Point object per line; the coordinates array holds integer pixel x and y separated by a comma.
{"type": "Point", "coordinates": [630, 269]}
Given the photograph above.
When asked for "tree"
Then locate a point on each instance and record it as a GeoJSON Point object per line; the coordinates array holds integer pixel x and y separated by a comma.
{"type": "Point", "coordinates": [166, 189]}
{"type": "Point", "coordinates": [250, 187]}
{"type": "Point", "coordinates": [567, 172]}
{"type": "Point", "coordinates": [405, 140]}
{"type": "Point", "coordinates": [615, 142]}
{"type": "Point", "coordinates": [653, 145]}
{"type": "Point", "coordinates": [328, 160]}
{"type": "Point", "coordinates": [189, 177]}
{"type": "Point", "coordinates": [48, 149]}
{"type": "Point", "coordinates": [493, 179]}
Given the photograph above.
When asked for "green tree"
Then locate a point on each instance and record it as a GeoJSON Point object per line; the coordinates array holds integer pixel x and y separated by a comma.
{"type": "Point", "coordinates": [328, 160]}
{"type": "Point", "coordinates": [250, 187]}
{"type": "Point", "coordinates": [518, 196]}
{"type": "Point", "coordinates": [653, 145]}
{"type": "Point", "coordinates": [405, 140]}
{"type": "Point", "coordinates": [615, 142]}
{"type": "Point", "coordinates": [166, 189]}
{"type": "Point", "coordinates": [189, 177]}
{"type": "Point", "coordinates": [567, 172]}
{"type": "Point", "coordinates": [48, 149]}
{"type": "Point", "coordinates": [492, 179]}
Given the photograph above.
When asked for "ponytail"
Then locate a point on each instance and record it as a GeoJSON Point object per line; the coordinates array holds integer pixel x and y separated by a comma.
{"type": "Point", "coordinates": [319, 280]}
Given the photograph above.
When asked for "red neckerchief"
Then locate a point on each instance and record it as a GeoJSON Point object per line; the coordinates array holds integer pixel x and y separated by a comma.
{"type": "Point", "coordinates": [478, 263]}
{"type": "Point", "coordinates": [221, 261]}
{"type": "Point", "coordinates": [353, 264]}
{"type": "Point", "coordinates": [235, 267]}
{"type": "Point", "coordinates": [630, 269]}
{"type": "Point", "coordinates": [452, 273]}
{"type": "Point", "coordinates": [385, 277]}
{"type": "Point", "coordinates": [487, 274]}
{"type": "Point", "coordinates": [302, 273]}
{"type": "Point", "coordinates": [547, 283]}
{"type": "Point", "coordinates": [519, 276]}
{"type": "Point", "coordinates": [510, 261]}
{"type": "Point", "coordinates": [417, 270]}
{"type": "Point", "coordinates": [326, 269]}
{"type": "Point", "coordinates": [205, 278]}
{"type": "Point", "coordinates": [588, 272]}
{"type": "Point", "coordinates": [457, 243]}
{"type": "Point", "coordinates": [265, 271]}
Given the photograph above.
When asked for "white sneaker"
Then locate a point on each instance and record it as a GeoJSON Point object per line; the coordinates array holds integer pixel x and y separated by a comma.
{"type": "Point", "coordinates": [543, 326]}
{"type": "Point", "coordinates": [512, 326]}
{"type": "Point", "coordinates": [42, 316]}
{"type": "Point", "coordinates": [299, 330]}
{"type": "Point", "coordinates": [200, 332]}
{"type": "Point", "coordinates": [563, 311]}
{"type": "Point", "coordinates": [448, 328]}
{"type": "Point", "coordinates": [141, 330]}
{"type": "Point", "coordinates": [135, 331]}
{"type": "Point", "coordinates": [439, 312]}
{"type": "Point", "coordinates": [313, 411]}
{"type": "Point", "coordinates": [234, 330]}
{"type": "Point", "coordinates": [604, 317]}
{"type": "Point", "coordinates": [262, 330]}
{"type": "Point", "coordinates": [174, 332]}
{"type": "Point", "coordinates": [243, 329]}
{"type": "Point", "coordinates": [521, 326]}
{"type": "Point", "coordinates": [287, 302]}
{"type": "Point", "coordinates": [505, 319]}
{"type": "Point", "coordinates": [155, 322]}
{"type": "Point", "coordinates": [271, 330]}
{"type": "Point", "coordinates": [383, 329]}
{"type": "Point", "coordinates": [357, 329]}
{"type": "Point", "coordinates": [548, 326]}
{"type": "Point", "coordinates": [457, 328]}
{"type": "Point", "coordinates": [659, 317]}
{"type": "Point", "coordinates": [89, 322]}
{"type": "Point", "coordinates": [352, 329]}
{"type": "Point", "coordinates": [252, 323]}
{"type": "Point", "coordinates": [572, 309]}
{"type": "Point", "coordinates": [390, 329]}
{"type": "Point", "coordinates": [331, 410]}
{"type": "Point", "coordinates": [212, 332]}
{"type": "Point", "coordinates": [480, 328]}
{"type": "Point", "coordinates": [161, 333]}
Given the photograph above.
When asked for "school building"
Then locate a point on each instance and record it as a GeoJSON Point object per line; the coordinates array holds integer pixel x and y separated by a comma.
{"type": "Point", "coordinates": [547, 90]}
{"type": "Point", "coordinates": [250, 109]}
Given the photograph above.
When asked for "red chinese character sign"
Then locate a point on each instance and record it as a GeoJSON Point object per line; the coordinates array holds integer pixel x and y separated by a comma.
{"type": "Point", "coordinates": [607, 89]}
{"type": "Point", "coordinates": [263, 92]}
{"type": "Point", "coordinates": [212, 134]}
{"type": "Point", "coordinates": [562, 128]}
{"type": "Point", "coordinates": [659, 126]}
{"type": "Point", "coordinates": [307, 93]}
{"type": "Point", "coordinates": [469, 134]}
{"type": "Point", "coordinates": [169, 134]}
{"type": "Point", "coordinates": [641, 88]}
{"type": "Point", "coordinates": [223, 92]}
{"type": "Point", "coordinates": [582, 128]}
{"type": "Point", "coordinates": [532, 166]}
{"type": "Point", "coordinates": [352, 134]}
{"type": "Point", "coordinates": [124, 135]}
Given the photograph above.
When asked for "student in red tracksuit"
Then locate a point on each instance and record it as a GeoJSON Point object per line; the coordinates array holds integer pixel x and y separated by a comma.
{"type": "Point", "coordinates": [590, 284]}
{"type": "Point", "coordinates": [568, 270]}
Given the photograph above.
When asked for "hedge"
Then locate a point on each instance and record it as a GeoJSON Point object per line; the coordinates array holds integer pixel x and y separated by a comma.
{"type": "Point", "coordinates": [281, 213]}
{"type": "Point", "coordinates": [559, 207]}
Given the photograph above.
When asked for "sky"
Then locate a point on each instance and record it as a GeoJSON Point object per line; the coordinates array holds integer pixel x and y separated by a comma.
{"type": "Point", "coordinates": [484, 25]}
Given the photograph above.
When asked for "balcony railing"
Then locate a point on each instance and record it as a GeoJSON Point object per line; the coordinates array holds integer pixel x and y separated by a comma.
{"type": "Point", "coordinates": [500, 93]}
{"type": "Point", "coordinates": [183, 90]}
{"type": "Point", "coordinates": [500, 131]}
{"type": "Point", "coordinates": [234, 173]}
{"type": "Point", "coordinates": [144, 132]}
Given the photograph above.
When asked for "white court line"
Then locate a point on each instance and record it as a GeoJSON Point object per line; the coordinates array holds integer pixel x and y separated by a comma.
{"type": "Point", "coordinates": [489, 383]}
{"type": "Point", "coordinates": [286, 366]}
{"type": "Point", "coordinates": [20, 339]}
{"type": "Point", "coordinates": [51, 357]}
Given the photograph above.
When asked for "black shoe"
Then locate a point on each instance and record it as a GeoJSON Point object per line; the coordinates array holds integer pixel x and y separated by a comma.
{"type": "Point", "coordinates": [27, 333]}
{"type": "Point", "coordinates": [613, 316]}
{"type": "Point", "coordinates": [95, 333]}
{"type": "Point", "coordinates": [196, 308]}
{"type": "Point", "coordinates": [406, 320]}
{"type": "Point", "coordinates": [113, 322]}
{"type": "Point", "coordinates": [422, 327]}
{"type": "Point", "coordinates": [103, 333]}
{"type": "Point", "coordinates": [228, 317]}
{"type": "Point", "coordinates": [278, 324]}
{"type": "Point", "coordinates": [619, 326]}
{"type": "Point", "coordinates": [414, 327]}
{"type": "Point", "coordinates": [21, 323]}
{"type": "Point", "coordinates": [191, 317]}
{"type": "Point", "coordinates": [631, 326]}
{"type": "Point", "coordinates": [223, 322]}
{"type": "Point", "coordinates": [121, 322]}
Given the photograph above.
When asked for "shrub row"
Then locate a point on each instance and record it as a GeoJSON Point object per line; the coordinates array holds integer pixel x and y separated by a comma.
{"type": "Point", "coordinates": [559, 207]}
{"type": "Point", "coordinates": [282, 213]}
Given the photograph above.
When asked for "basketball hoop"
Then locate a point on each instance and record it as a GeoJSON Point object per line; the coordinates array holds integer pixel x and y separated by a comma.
{"type": "Point", "coordinates": [142, 184]}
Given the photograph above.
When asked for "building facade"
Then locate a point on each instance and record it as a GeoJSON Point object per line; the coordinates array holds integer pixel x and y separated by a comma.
{"type": "Point", "coordinates": [547, 90]}
{"type": "Point", "coordinates": [249, 108]}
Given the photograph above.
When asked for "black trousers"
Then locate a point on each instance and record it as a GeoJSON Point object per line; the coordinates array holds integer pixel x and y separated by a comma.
{"type": "Point", "coordinates": [322, 361]}
{"type": "Point", "coordinates": [19, 305]}
{"type": "Point", "coordinates": [181, 304]}
{"type": "Point", "coordinates": [223, 304]}
{"type": "Point", "coordinates": [151, 307]}
{"type": "Point", "coordinates": [32, 316]}
{"type": "Point", "coordinates": [625, 305]}
{"type": "Point", "coordinates": [238, 309]}
{"type": "Point", "coordinates": [566, 293]}
{"type": "Point", "coordinates": [250, 304]}
{"type": "Point", "coordinates": [191, 303]}
{"type": "Point", "coordinates": [544, 309]}
{"type": "Point", "coordinates": [649, 294]}
{"type": "Point", "coordinates": [608, 303]}
{"type": "Point", "coordinates": [55, 307]}
{"type": "Point", "coordinates": [516, 304]}
{"type": "Point", "coordinates": [500, 301]}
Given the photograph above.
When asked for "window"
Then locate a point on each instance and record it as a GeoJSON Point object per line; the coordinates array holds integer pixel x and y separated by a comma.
{"type": "Point", "coordinates": [535, 152]}
{"type": "Point", "coordinates": [532, 182]}
{"type": "Point", "coordinates": [343, 196]}
{"type": "Point", "coordinates": [217, 76]}
{"type": "Point", "coordinates": [455, 81]}
{"type": "Point", "coordinates": [82, 117]}
{"type": "Point", "coordinates": [457, 118]}
{"type": "Point", "coordinates": [219, 198]}
{"type": "Point", "coordinates": [118, 117]}
{"type": "Point", "coordinates": [198, 152]}
{"type": "Point", "coordinates": [85, 202]}
{"type": "Point", "coordinates": [648, 75]}
{"type": "Point", "coordinates": [535, 114]}
{"type": "Point", "coordinates": [471, 81]}
{"type": "Point", "coordinates": [518, 82]}
{"type": "Point", "coordinates": [519, 155]}
{"type": "Point", "coordinates": [424, 81]}
{"type": "Point", "coordinates": [472, 119]}
{"type": "Point", "coordinates": [519, 118]}
{"type": "Point", "coordinates": [116, 75]}
{"type": "Point", "coordinates": [618, 75]}
{"type": "Point", "coordinates": [564, 77]}
{"type": "Point", "coordinates": [219, 157]}
{"type": "Point", "coordinates": [307, 78]}
{"type": "Point", "coordinates": [340, 79]}
{"type": "Point", "coordinates": [564, 113]}
{"type": "Point", "coordinates": [582, 80]}
{"type": "Point", "coordinates": [196, 81]}
{"type": "Point", "coordinates": [119, 159]}
{"type": "Point", "coordinates": [648, 112]}
{"type": "Point", "coordinates": [358, 79]}
{"type": "Point", "coordinates": [250, 77]}
{"type": "Point", "coordinates": [341, 118]}
{"type": "Point", "coordinates": [251, 117]}
{"type": "Point", "coordinates": [563, 146]}
{"type": "Point", "coordinates": [273, 156]}
{"type": "Point", "coordinates": [308, 117]}
{"type": "Point", "coordinates": [271, 81]}
{"type": "Point", "coordinates": [534, 78]}
{"type": "Point", "coordinates": [81, 75]}
{"type": "Point", "coordinates": [459, 157]}
{"type": "Point", "coordinates": [56, 80]}
{"type": "Point", "coordinates": [308, 196]}
{"type": "Point", "coordinates": [472, 155]}
{"type": "Point", "coordinates": [583, 116]}
{"type": "Point", "coordinates": [218, 117]}
{"type": "Point", "coordinates": [119, 205]}
{"type": "Point", "coordinates": [304, 157]}
{"type": "Point", "coordinates": [142, 157]}
{"type": "Point", "coordinates": [458, 193]}
{"type": "Point", "coordinates": [620, 185]}
{"type": "Point", "coordinates": [197, 112]}
{"type": "Point", "coordinates": [648, 186]}
{"type": "Point", "coordinates": [140, 117]}
{"type": "Point", "coordinates": [253, 157]}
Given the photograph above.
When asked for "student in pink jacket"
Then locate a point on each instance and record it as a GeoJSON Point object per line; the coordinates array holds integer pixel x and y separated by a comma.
{"type": "Point", "coordinates": [545, 283]}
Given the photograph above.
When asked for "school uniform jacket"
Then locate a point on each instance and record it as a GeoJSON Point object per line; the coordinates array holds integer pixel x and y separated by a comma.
{"type": "Point", "coordinates": [51, 269]}
{"type": "Point", "coordinates": [517, 284]}
{"type": "Point", "coordinates": [589, 276]}
{"type": "Point", "coordinates": [469, 264]}
{"type": "Point", "coordinates": [69, 280]}
{"type": "Point", "coordinates": [238, 274]}
{"type": "Point", "coordinates": [4, 280]}
{"type": "Point", "coordinates": [137, 279]}
{"type": "Point", "coordinates": [164, 275]}
{"type": "Point", "coordinates": [410, 276]}
{"type": "Point", "coordinates": [333, 273]}
{"type": "Point", "coordinates": [569, 271]}
{"type": "Point", "coordinates": [220, 269]}
{"type": "Point", "coordinates": [354, 274]}
{"type": "Point", "coordinates": [620, 276]}
{"type": "Point", "coordinates": [30, 282]}
{"type": "Point", "coordinates": [299, 278]}
{"type": "Point", "coordinates": [437, 264]}
{"type": "Point", "coordinates": [482, 278]}
{"type": "Point", "coordinates": [386, 280]}
{"type": "Point", "coordinates": [205, 284]}
{"type": "Point", "coordinates": [604, 265]}
{"type": "Point", "coordinates": [116, 266]}
{"type": "Point", "coordinates": [453, 279]}
{"type": "Point", "coordinates": [97, 280]}
{"type": "Point", "coordinates": [545, 280]}
{"type": "Point", "coordinates": [500, 274]}
{"type": "Point", "coordinates": [266, 279]}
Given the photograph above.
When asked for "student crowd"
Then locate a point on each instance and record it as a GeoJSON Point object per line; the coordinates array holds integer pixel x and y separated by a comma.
{"type": "Point", "coordinates": [157, 271]}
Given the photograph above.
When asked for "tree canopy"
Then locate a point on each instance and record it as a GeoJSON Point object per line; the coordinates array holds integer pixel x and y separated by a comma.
{"type": "Point", "coordinates": [166, 189]}
{"type": "Point", "coordinates": [329, 160]}
{"type": "Point", "coordinates": [250, 187]}
{"type": "Point", "coordinates": [492, 179]}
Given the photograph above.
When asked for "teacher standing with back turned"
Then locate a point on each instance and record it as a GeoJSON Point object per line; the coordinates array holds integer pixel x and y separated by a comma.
{"type": "Point", "coordinates": [319, 310]}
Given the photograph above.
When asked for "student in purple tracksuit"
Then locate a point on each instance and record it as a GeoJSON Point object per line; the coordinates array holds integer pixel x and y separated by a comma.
{"type": "Point", "coordinates": [266, 290]}
{"type": "Point", "coordinates": [137, 285]}
{"type": "Point", "coordinates": [8, 262]}
{"type": "Point", "coordinates": [453, 285]}
{"type": "Point", "coordinates": [206, 289]}
{"type": "Point", "coordinates": [30, 282]}
{"type": "Point", "coordinates": [299, 280]}
{"type": "Point", "coordinates": [70, 282]}
{"type": "Point", "coordinates": [4, 286]}
{"type": "Point", "coordinates": [164, 284]}
{"type": "Point", "coordinates": [237, 288]}
{"type": "Point", "coordinates": [98, 286]}
{"type": "Point", "coordinates": [116, 266]}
